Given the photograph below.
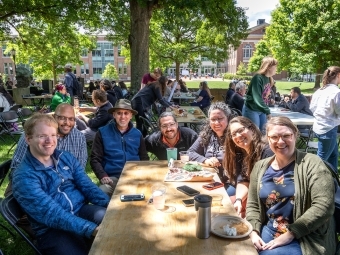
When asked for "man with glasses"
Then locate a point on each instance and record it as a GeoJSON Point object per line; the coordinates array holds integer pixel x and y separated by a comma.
{"type": "Point", "coordinates": [170, 136]}
{"type": "Point", "coordinates": [114, 144]}
{"type": "Point", "coordinates": [63, 205]}
{"type": "Point", "coordinates": [69, 139]}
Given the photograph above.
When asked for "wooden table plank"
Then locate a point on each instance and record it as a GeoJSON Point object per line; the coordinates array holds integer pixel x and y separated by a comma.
{"type": "Point", "coordinates": [190, 118]}
{"type": "Point", "coordinates": [138, 228]}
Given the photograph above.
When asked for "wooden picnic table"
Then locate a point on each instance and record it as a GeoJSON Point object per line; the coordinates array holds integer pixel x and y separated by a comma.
{"type": "Point", "coordinates": [130, 228]}
{"type": "Point", "coordinates": [184, 96]}
{"type": "Point", "coordinates": [38, 100]}
{"type": "Point", "coordinates": [191, 118]}
{"type": "Point", "coordinates": [296, 117]}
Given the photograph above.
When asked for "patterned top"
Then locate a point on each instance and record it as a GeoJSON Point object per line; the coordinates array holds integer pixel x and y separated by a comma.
{"type": "Point", "coordinates": [74, 143]}
{"type": "Point", "coordinates": [277, 193]}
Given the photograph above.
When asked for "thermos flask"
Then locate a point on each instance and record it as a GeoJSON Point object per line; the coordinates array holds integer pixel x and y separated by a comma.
{"type": "Point", "coordinates": [203, 215]}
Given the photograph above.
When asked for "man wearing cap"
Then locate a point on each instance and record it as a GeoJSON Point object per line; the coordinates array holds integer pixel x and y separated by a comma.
{"type": "Point", "coordinates": [169, 136]}
{"type": "Point", "coordinates": [114, 144]}
{"type": "Point", "coordinates": [70, 81]}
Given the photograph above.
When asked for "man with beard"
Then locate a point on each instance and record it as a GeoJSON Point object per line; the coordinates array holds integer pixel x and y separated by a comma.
{"type": "Point", "coordinates": [170, 136]}
{"type": "Point", "coordinates": [69, 139]}
{"type": "Point", "coordinates": [114, 144]}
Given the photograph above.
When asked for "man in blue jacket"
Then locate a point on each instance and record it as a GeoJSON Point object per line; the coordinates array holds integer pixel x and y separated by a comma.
{"type": "Point", "coordinates": [53, 189]}
{"type": "Point", "coordinates": [114, 144]}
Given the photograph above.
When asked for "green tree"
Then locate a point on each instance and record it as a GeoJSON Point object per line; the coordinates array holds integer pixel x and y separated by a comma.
{"type": "Point", "coordinates": [110, 72]}
{"type": "Point", "coordinates": [130, 25]}
{"type": "Point", "coordinates": [241, 69]}
{"type": "Point", "coordinates": [261, 51]}
{"type": "Point", "coordinates": [303, 35]}
{"type": "Point", "coordinates": [48, 47]}
{"type": "Point", "coordinates": [174, 39]}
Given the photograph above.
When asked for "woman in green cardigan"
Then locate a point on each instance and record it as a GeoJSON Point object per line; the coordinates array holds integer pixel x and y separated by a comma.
{"type": "Point", "coordinates": [291, 198]}
{"type": "Point", "coordinates": [60, 96]}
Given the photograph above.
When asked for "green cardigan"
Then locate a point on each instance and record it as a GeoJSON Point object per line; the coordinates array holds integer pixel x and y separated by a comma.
{"type": "Point", "coordinates": [314, 224]}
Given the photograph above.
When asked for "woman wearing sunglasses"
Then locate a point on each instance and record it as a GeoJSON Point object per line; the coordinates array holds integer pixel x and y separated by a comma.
{"type": "Point", "coordinates": [291, 198]}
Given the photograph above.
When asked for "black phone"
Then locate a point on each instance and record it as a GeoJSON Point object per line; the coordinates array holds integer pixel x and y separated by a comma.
{"type": "Point", "coordinates": [188, 191]}
{"type": "Point", "coordinates": [134, 197]}
{"type": "Point", "coordinates": [188, 202]}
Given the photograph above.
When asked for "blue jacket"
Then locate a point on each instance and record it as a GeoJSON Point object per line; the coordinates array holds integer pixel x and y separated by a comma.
{"type": "Point", "coordinates": [111, 149]}
{"type": "Point", "coordinates": [52, 196]}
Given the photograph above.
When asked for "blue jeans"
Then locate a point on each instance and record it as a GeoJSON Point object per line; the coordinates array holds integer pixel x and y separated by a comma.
{"type": "Point", "coordinates": [59, 242]}
{"type": "Point", "coordinates": [258, 118]}
{"type": "Point", "coordinates": [293, 248]}
{"type": "Point", "coordinates": [231, 190]}
{"type": "Point", "coordinates": [328, 147]}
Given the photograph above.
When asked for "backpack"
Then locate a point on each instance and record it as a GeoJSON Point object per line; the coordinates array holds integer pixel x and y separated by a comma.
{"type": "Point", "coordinates": [77, 87]}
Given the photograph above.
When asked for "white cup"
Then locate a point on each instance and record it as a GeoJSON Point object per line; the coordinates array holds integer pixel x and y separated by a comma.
{"type": "Point", "coordinates": [184, 156]}
{"type": "Point", "coordinates": [158, 196]}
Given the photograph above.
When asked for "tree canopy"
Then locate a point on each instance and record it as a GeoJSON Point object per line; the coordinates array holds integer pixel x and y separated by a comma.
{"type": "Point", "coordinates": [110, 72]}
{"type": "Point", "coordinates": [304, 35]}
{"type": "Point", "coordinates": [261, 51]}
{"type": "Point", "coordinates": [130, 25]}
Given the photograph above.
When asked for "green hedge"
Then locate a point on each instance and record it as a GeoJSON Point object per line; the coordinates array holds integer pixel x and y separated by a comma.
{"type": "Point", "coordinates": [230, 76]}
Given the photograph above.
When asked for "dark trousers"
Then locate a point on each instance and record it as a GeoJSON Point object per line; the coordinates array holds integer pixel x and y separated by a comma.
{"type": "Point", "coordinates": [60, 242]}
{"type": "Point", "coordinates": [137, 105]}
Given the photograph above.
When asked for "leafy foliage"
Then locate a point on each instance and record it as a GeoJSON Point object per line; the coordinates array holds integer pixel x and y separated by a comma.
{"type": "Point", "coordinates": [110, 72]}
{"type": "Point", "coordinates": [261, 51]}
{"type": "Point", "coordinates": [241, 69]}
{"type": "Point", "coordinates": [303, 35]}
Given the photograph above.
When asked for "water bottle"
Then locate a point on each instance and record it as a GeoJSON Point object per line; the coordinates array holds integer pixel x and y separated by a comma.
{"type": "Point", "coordinates": [203, 215]}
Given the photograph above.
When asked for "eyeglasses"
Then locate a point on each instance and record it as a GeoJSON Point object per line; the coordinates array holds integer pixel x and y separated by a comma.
{"type": "Point", "coordinates": [170, 125]}
{"type": "Point", "coordinates": [217, 119]}
{"type": "Point", "coordinates": [284, 137]}
{"type": "Point", "coordinates": [63, 118]}
{"type": "Point", "coordinates": [45, 137]}
{"type": "Point", "coordinates": [238, 131]}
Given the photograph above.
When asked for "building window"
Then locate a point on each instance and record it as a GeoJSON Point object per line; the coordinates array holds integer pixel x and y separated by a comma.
{"type": "Point", "coordinates": [84, 68]}
{"type": "Point", "coordinates": [84, 53]}
{"type": "Point", "coordinates": [98, 51]}
{"type": "Point", "coordinates": [3, 52]}
{"type": "Point", "coordinates": [8, 69]}
{"type": "Point", "coordinates": [204, 59]}
{"type": "Point", "coordinates": [108, 53]}
{"type": "Point", "coordinates": [120, 68]}
{"type": "Point", "coordinates": [97, 67]}
{"type": "Point", "coordinates": [125, 69]}
{"type": "Point", "coordinates": [247, 51]}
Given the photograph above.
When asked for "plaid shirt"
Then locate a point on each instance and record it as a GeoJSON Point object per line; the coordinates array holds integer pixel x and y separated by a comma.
{"type": "Point", "coordinates": [74, 143]}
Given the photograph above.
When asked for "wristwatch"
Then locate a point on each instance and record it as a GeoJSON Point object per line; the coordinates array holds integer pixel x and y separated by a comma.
{"type": "Point", "coordinates": [238, 199]}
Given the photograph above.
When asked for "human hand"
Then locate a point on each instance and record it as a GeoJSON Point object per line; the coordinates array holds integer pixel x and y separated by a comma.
{"type": "Point", "coordinates": [257, 241]}
{"type": "Point", "coordinates": [106, 180]}
{"type": "Point", "coordinates": [286, 99]}
{"type": "Point", "coordinates": [283, 239]}
{"type": "Point", "coordinates": [269, 116]}
{"type": "Point", "coordinates": [238, 207]}
{"type": "Point", "coordinates": [94, 233]}
{"type": "Point", "coordinates": [68, 94]}
{"type": "Point", "coordinates": [212, 162]}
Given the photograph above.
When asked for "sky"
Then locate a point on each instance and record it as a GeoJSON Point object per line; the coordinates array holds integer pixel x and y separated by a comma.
{"type": "Point", "coordinates": [258, 9]}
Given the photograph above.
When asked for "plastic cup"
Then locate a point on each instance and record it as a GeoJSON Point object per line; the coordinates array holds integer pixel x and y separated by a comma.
{"type": "Point", "coordinates": [216, 200]}
{"type": "Point", "coordinates": [158, 196]}
{"type": "Point", "coordinates": [184, 156]}
{"type": "Point", "coordinates": [171, 153]}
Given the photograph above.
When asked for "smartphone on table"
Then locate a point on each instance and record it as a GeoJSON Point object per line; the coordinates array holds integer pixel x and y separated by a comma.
{"type": "Point", "coordinates": [188, 202]}
{"type": "Point", "coordinates": [188, 191]}
{"type": "Point", "coordinates": [213, 185]}
{"type": "Point", "coordinates": [133, 197]}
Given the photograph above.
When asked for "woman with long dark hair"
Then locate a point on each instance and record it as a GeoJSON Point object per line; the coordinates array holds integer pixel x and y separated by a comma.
{"type": "Point", "coordinates": [204, 96]}
{"type": "Point", "coordinates": [146, 97]}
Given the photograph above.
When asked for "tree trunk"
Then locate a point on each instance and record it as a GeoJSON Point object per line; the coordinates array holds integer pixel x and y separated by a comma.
{"type": "Point", "coordinates": [140, 16]}
{"type": "Point", "coordinates": [317, 79]}
{"type": "Point", "coordinates": [177, 70]}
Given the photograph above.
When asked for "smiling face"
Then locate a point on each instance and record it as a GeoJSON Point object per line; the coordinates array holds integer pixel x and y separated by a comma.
{"type": "Point", "coordinates": [43, 141]}
{"type": "Point", "coordinates": [281, 141]}
{"type": "Point", "coordinates": [241, 135]}
{"type": "Point", "coordinates": [122, 118]}
{"type": "Point", "coordinates": [169, 127]}
{"type": "Point", "coordinates": [65, 117]}
{"type": "Point", "coordinates": [218, 121]}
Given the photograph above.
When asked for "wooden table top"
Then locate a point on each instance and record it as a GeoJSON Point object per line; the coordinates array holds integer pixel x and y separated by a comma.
{"type": "Point", "coordinates": [138, 228]}
{"type": "Point", "coordinates": [191, 118]}
{"type": "Point", "coordinates": [38, 97]}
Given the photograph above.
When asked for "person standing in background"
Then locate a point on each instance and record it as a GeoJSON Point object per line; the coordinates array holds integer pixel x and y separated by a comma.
{"type": "Point", "coordinates": [255, 107]}
{"type": "Point", "coordinates": [151, 77]}
{"type": "Point", "coordinates": [325, 106]}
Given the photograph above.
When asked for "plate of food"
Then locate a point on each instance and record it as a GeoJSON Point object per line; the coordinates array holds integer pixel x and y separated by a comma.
{"type": "Point", "coordinates": [230, 227]}
{"type": "Point", "coordinates": [200, 117]}
{"type": "Point", "coordinates": [190, 171]}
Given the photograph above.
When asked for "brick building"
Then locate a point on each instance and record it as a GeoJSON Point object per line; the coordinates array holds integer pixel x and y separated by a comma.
{"type": "Point", "coordinates": [247, 47]}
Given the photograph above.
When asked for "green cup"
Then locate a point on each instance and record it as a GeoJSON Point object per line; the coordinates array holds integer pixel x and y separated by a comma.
{"type": "Point", "coordinates": [171, 153]}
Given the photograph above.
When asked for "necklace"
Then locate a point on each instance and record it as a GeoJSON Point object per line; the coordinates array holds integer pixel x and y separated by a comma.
{"type": "Point", "coordinates": [276, 165]}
